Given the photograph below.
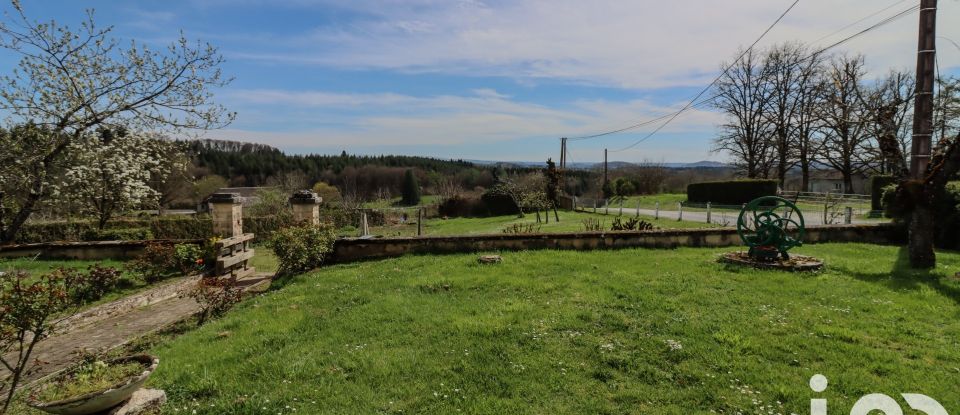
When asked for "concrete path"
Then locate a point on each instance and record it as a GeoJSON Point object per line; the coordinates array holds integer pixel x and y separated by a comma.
{"type": "Point", "coordinates": [60, 351]}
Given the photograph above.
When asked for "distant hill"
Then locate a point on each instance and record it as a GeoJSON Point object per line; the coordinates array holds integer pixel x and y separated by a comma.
{"type": "Point", "coordinates": [613, 165]}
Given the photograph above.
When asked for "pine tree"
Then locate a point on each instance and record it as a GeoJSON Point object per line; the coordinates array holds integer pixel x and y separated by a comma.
{"type": "Point", "coordinates": [411, 189]}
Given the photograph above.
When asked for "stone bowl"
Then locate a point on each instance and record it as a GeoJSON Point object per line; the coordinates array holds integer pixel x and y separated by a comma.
{"type": "Point", "coordinates": [100, 401]}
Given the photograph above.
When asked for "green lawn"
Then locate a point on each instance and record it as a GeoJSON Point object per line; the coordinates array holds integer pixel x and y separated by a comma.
{"type": "Point", "coordinates": [569, 222]}
{"type": "Point", "coordinates": [555, 332]}
{"type": "Point", "coordinates": [668, 201]}
{"type": "Point", "coordinates": [395, 202]}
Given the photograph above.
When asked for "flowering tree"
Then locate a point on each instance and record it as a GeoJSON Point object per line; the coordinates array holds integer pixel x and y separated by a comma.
{"type": "Point", "coordinates": [111, 172]}
{"type": "Point", "coordinates": [71, 82]}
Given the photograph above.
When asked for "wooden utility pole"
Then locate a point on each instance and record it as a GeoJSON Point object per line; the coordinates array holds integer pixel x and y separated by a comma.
{"type": "Point", "coordinates": [563, 152]}
{"type": "Point", "coordinates": [923, 103]}
{"type": "Point", "coordinates": [604, 165]}
{"type": "Point", "coordinates": [922, 226]}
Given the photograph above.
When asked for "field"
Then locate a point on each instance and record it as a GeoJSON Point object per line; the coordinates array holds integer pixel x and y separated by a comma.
{"type": "Point", "coordinates": [630, 331]}
{"type": "Point", "coordinates": [569, 222]}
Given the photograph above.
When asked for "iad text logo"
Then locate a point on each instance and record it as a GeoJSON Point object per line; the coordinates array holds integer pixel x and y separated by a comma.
{"type": "Point", "coordinates": [876, 402]}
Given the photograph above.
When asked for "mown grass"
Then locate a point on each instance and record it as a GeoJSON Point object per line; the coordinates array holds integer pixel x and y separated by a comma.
{"type": "Point", "coordinates": [569, 222]}
{"type": "Point", "coordinates": [629, 331]}
{"type": "Point", "coordinates": [395, 202]}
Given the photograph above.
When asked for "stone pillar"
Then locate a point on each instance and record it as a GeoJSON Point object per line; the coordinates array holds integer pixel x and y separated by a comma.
{"type": "Point", "coordinates": [227, 212]}
{"type": "Point", "coordinates": [306, 207]}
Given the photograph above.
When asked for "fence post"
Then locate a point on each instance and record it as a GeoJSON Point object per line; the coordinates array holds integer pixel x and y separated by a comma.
{"type": "Point", "coordinates": [606, 206]}
{"type": "Point", "coordinates": [621, 207]}
{"type": "Point", "coordinates": [680, 210]}
{"type": "Point", "coordinates": [594, 205]}
{"type": "Point", "coordinates": [364, 230]}
{"type": "Point", "coordinates": [306, 207]}
{"type": "Point", "coordinates": [848, 215]}
{"type": "Point", "coordinates": [574, 203]}
{"type": "Point", "coordinates": [825, 208]}
{"type": "Point", "coordinates": [656, 212]}
{"type": "Point", "coordinates": [708, 212]}
{"type": "Point", "coordinates": [638, 208]}
{"type": "Point", "coordinates": [419, 221]}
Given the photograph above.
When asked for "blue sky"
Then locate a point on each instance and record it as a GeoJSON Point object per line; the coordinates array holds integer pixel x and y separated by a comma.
{"type": "Point", "coordinates": [494, 80]}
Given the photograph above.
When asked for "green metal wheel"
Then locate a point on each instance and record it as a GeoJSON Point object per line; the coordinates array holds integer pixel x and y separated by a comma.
{"type": "Point", "coordinates": [770, 226]}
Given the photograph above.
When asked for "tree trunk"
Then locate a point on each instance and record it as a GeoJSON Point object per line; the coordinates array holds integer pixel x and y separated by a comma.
{"type": "Point", "coordinates": [922, 227]}
{"type": "Point", "coordinates": [847, 183]}
{"type": "Point", "coordinates": [805, 177]}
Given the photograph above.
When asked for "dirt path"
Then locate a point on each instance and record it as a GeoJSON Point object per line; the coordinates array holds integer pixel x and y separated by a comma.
{"type": "Point", "coordinates": [60, 351]}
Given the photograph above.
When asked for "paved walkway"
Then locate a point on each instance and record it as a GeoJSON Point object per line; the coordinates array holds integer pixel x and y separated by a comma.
{"type": "Point", "coordinates": [60, 350]}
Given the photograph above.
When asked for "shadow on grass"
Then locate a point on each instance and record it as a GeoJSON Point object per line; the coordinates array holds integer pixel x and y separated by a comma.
{"type": "Point", "coordinates": [903, 277]}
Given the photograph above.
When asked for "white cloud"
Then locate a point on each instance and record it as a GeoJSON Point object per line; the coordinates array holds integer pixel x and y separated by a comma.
{"type": "Point", "coordinates": [486, 117]}
{"type": "Point", "coordinates": [634, 44]}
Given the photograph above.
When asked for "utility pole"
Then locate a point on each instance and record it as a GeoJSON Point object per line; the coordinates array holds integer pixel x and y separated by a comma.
{"type": "Point", "coordinates": [563, 152]}
{"type": "Point", "coordinates": [604, 165]}
{"type": "Point", "coordinates": [923, 103]}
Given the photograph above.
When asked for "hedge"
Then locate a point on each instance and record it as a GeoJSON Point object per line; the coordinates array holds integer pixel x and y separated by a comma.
{"type": "Point", "coordinates": [877, 184]}
{"type": "Point", "coordinates": [731, 192]}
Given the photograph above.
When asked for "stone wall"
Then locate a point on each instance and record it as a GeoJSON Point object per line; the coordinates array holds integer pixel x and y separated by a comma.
{"type": "Point", "coordinates": [357, 249]}
{"type": "Point", "coordinates": [86, 250]}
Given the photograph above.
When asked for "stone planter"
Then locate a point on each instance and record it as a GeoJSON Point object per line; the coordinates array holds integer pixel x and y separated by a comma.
{"type": "Point", "coordinates": [100, 401]}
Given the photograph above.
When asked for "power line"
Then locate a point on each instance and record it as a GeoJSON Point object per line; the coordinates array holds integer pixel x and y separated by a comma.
{"type": "Point", "coordinates": [671, 116]}
{"type": "Point", "coordinates": [811, 56]}
{"type": "Point", "coordinates": [707, 100]}
{"type": "Point", "coordinates": [714, 82]}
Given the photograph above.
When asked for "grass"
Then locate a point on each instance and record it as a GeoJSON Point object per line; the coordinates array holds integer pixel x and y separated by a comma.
{"type": "Point", "coordinates": [89, 377]}
{"type": "Point", "coordinates": [569, 222]}
{"type": "Point", "coordinates": [628, 331]}
{"type": "Point", "coordinates": [264, 259]}
{"type": "Point", "coordinates": [395, 202]}
{"type": "Point", "coordinates": [668, 201]}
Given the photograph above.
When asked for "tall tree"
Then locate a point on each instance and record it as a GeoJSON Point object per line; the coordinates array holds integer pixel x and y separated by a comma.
{"type": "Point", "coordinates": [74, 81]}
{"type": "Point", "coordinates": [411, 189]}
{"type": "Point", "coordinates": [888, 106]}
{"type": "Point", "coordinates": [743, 95]}
{"type": "Point", "coordinates": [844, 118]}
{"type": "Point", "coordinates": [783, 64]}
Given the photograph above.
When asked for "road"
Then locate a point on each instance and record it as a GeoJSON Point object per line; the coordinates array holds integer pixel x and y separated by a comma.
{"type": "Point", "coordinates": [723, 217]}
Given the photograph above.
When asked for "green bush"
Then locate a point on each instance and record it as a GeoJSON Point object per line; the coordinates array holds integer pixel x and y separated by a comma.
{"type": "Point", "coordinates": [947, 213]}
{"type": "Point", "coordinates": [731, 192]}
{"type": "Point", "coordinates": [92, 286]}
{"type": "Point", "coordinates": [122, 234]}
{"type": "Point", "coordinates": [877, 186]}
{"type": "Point", "coordinates": [158, 261]}
{"type": "Point", "coordinates": [302, 247]}
{"type": "Point", "coordinates": [189, 258]}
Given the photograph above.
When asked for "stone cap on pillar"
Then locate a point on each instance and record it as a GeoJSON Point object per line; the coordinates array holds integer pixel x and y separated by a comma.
{"type": "Point", "coordinates": [233, 198]}
{"type": "Point", "coordinates": [305, 197]}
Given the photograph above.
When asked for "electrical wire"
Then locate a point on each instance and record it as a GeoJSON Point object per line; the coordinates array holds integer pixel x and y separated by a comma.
{"type": "Point", "coordinates": [705, 101]}
{"type": "Point", "coordinates": [811, 56]}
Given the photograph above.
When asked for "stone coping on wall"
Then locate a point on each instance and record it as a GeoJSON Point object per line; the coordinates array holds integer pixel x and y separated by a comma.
{"type": "Point", "coordinates": [357, 249]}
{"type": "Point", "coordinates": [86, 250]}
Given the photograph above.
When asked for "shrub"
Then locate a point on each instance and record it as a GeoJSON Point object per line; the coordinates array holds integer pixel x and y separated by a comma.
{"type": "Point", "coordinates": [591, 225]}
{"type": "Point", "coordinates": [123, 234]}
{"type": "Point", "coordinates": [462, 207]}
{"type": "Point", "coordinates": [897, 205]}
{"type": "Point", "coordinates": [157, 262]}
{"type": "Point", "coordinates": [632, 224]}
{"type": "Point", "coordinates": [189, 258]}
{"type": "Point", "coordinates": [215, 295]}
{"type": "Point", "coordinates": [731, 192]}
{"type": "Point", "coordinates": [522, 228]}
{"type": "Point", "coordinates": [92, 286]}
{"type": "Point", "coordinates": [28, 307]}
{"type": "Point", "coordinates": [302, 247]}
{"type": "Point", "coordinates": [878, 184]}
{"type": "Point", "coordinates": [498, 204]}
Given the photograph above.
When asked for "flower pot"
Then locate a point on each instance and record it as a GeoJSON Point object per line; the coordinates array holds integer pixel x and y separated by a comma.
{"type": "Point", "coordinates": [99, 401]}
